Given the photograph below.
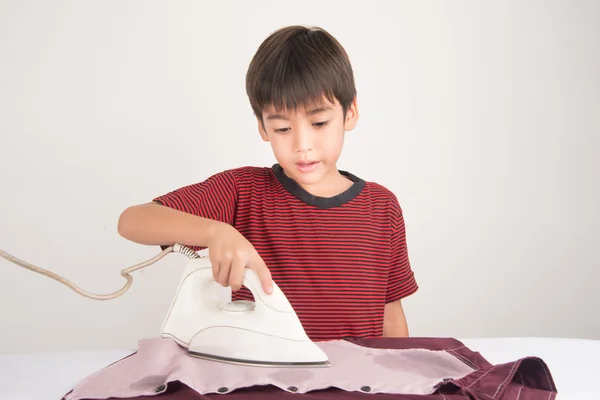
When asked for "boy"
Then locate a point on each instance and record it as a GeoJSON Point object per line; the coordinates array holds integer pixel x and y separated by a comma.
{"type": "Point", "coordinates": [334, 243]}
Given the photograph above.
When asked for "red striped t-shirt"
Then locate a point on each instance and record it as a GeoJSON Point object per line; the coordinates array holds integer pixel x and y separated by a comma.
{"type": "Point", "coordinates": [338, 260]}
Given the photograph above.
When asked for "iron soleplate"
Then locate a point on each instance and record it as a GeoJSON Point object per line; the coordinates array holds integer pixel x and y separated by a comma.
{"type": "Point", "coordinates": [257, 363]}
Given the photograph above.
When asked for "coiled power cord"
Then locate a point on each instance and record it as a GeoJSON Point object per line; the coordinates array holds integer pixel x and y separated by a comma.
{"type": "Point", "coordinates": [126, 273]}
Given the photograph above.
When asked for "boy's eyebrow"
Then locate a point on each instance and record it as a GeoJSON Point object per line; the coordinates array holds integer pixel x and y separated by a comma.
{"type": "Point", "coordinates": [319, 109]}
{"type": "Point", "coordinates": [275, 116]}
{"type": "Point", "coordinates": [311, 112]}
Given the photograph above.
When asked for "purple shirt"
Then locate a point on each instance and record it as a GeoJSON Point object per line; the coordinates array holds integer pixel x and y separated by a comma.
{"type": "Point", "coordinates": [524, 379]}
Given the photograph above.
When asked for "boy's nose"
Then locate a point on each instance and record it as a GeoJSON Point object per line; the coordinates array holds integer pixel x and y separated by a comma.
{"type": "Point", "coordinates": [303, 141]}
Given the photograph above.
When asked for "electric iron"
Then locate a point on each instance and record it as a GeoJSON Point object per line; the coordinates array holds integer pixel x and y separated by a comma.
{"type": "Point", "coordinates": [263, 332]}
{"type": "Point", "coordinates": [203, 319]}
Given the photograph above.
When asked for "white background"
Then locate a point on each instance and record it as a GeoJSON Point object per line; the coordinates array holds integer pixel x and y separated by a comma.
{"type": "Point", "coordinates": [483, 117]}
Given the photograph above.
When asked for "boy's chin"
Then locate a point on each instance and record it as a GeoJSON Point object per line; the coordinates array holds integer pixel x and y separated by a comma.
{"type": "Point", "coordinates": [312, 177]}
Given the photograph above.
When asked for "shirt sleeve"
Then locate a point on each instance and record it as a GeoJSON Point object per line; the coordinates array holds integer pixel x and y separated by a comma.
{"type": "Point", "coordinates": [214, 198]}
{"type": "Point", "coordinates": [401, 279]}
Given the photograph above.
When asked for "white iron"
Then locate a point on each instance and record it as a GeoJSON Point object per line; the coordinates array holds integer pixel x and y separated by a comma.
{"type": "Point", "coordinates": [265, 332]}
{"type": "Point", "coordinates": [204, 319]}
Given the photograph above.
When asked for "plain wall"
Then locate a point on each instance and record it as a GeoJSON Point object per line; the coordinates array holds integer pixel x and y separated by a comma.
{"type": "Point", "coordinates": [483, 117]}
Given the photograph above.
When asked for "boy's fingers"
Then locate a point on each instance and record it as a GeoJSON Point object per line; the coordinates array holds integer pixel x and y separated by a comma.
{"type": "Point", "coordinates": [216, 268]}
{"type": "Point", "coordinates": [236, 275]}
{"type": "Point", "coordinates": [224, 271]}
{"type": "Point", "coordinates": [264, 275]}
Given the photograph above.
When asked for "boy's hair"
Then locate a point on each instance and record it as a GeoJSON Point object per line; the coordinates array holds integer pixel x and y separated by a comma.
{"type": "Point", "coordinates": [296, 66]}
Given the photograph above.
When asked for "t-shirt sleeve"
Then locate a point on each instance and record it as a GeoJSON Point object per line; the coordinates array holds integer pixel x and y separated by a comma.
{"type": "Point", "coordinates": [401, 279]}
{"type": "Point", "coordinates": [214, 198]}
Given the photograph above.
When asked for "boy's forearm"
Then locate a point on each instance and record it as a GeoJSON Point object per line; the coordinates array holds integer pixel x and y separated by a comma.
{"type": "Point", "coordinates": [394, 320]}
{"type": "Point", "coordinates": [154, 224]}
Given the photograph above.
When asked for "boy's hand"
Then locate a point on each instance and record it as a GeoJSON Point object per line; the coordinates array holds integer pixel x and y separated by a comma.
{"type": "Point", "coordinates": [230, 252]}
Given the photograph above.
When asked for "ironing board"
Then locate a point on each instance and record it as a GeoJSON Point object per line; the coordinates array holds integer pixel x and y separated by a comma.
{"type": "Point", "coordinates": [48, 376]}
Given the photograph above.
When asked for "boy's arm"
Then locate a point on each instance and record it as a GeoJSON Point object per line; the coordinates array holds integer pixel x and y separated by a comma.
{"type": "Point", "coordinates": [199, 215]}
{"type": "Point", "coordinates": [394, 320]}
{"type": "Point", "coordinates": [189, 215]}
{"type": "Point", "coordinates": [154, 224]}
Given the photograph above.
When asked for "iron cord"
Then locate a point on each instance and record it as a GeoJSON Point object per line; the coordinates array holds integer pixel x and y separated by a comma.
{"type": "Point", "coordinates": [125, 273]}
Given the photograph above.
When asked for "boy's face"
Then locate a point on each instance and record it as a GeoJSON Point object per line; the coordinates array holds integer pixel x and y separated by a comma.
{"type": "Point", "coordinates": [307, 143]}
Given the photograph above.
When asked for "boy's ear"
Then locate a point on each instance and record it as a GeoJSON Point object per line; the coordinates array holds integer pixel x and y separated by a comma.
{"type": "Point", "coordinates": [351, 116]}
{"type": "Point", "coordinates": [261, 129]}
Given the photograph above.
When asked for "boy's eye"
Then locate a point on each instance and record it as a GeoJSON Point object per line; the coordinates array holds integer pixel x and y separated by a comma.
{"type": "Point", "coordinates": [287, 129]}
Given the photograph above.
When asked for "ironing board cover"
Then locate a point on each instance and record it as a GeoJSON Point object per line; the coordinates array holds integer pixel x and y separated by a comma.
{"type": "Point", "coordinates": [524, 379]}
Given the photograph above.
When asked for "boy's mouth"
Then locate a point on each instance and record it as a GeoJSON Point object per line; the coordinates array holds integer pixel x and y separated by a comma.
{"type": "Point", "coordinates": [305, 166]}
